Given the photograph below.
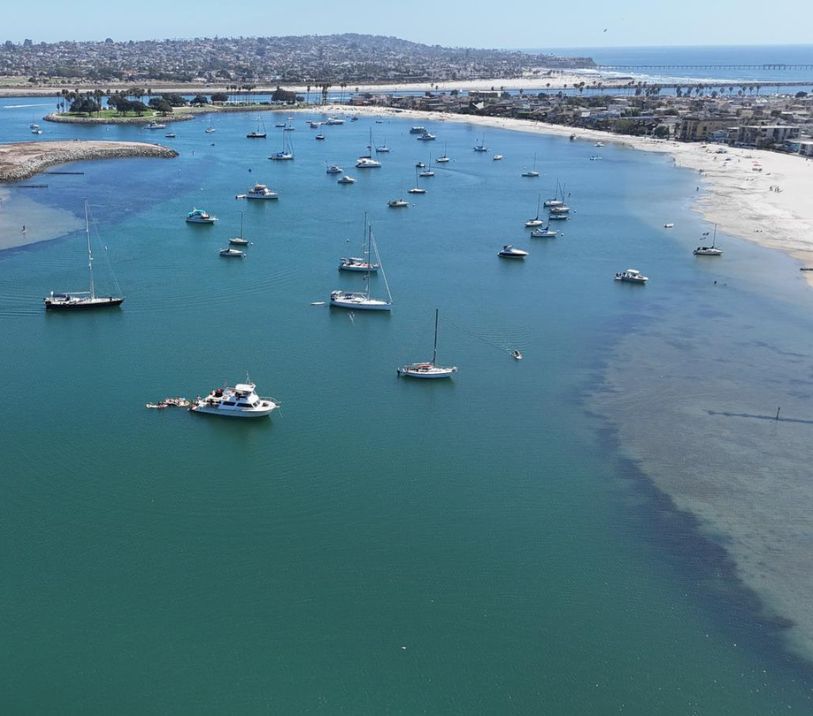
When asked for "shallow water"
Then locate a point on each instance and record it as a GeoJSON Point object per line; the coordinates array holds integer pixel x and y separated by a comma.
{"type": "Point", "coordinates": [378, 545]}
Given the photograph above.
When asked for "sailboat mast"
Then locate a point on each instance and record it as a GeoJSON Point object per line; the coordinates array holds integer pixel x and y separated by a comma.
{"type": "Point", "coordinates": [435, 347]}
{"type": "Point", "coordinates": [90, 253]}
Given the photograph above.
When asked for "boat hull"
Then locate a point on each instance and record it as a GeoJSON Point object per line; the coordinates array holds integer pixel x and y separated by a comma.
{"type": "Point", "coordinates": [83, 304]}
{"type": "Point", "coordinates": [426, 371]}
{"type": "Point", "coordinates": [358, 302]}
{"type": "Point", "coordinates": [224, 412]}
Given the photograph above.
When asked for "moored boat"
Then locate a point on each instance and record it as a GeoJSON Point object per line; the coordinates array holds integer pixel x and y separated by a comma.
{"type": "Point", "coordinates": [241, 401]}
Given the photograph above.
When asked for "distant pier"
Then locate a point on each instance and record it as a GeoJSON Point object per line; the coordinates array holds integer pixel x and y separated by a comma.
{"type": "Point", "coordinates": [781, 67]}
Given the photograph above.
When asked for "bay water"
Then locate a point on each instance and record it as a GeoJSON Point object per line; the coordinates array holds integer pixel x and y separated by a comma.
{"type": "Point", "coordinates": [490, 544]}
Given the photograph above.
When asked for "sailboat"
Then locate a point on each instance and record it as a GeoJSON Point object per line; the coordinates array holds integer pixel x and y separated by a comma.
{"type": "Point", "coordinates": [481, 146]}
{"type": "Point", "coordinates": [709, 250]}
{"type": "Point", "coordinates": [556, 200]}
{"type": "Point", "coordinates": [531, 172]}
{"type": "Point", "coordinates": [239, 240]}
{"type": "Point", "coordinates": [258, 133]}
{"type": "Point", "coordinates": [417, 189]}
{"type": "Point", "coordinates": [428, 369]}
{"type": "Point", "coordinates": [366, 161]}
{"type": "Point", "coordinates": [361, 300]}
{"type": "Point", "coordinates": [82, 300]}
{"type": "Point", "coordinates": [536, 221]}
{"type": "Point", "coordinates": [443, 158]}
{"type": "Point", "coordinates": [360, 263]}
{"type": "Point", "coordinates": [287, 152]}
{"type": "Point", "coordinates": [427, 170]}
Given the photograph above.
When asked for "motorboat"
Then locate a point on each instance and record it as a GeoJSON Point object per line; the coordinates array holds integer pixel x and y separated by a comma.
{"type": "Point", "coordinates": [261, 191]}
{"type": "Point", "coordinates": [314, 124]}
{"type": "Point", "coordinates": [170, 135]}
{"type": "Point", "coordinates": [155, 125]}
{"type": "Point", "coordinates": [631, 276]}
{"type": "Point", "coordinates": [346, 180]}
{"type": "Point", "coordinates": [334, 169]}
{"type": "Point", "coordinates": [510, 252]}
{"type": "Point", "coordinates": [426, 137]}
{"type": "Point", "coordinates": [544, 232]}
{"type": "Point", "coordinates": [241, 401]}
{"type": "Point", "coordinates": [357, 264]}
{"type": "Point", "coordinates": [420, 165]}
{"type": "Point", "coordinates": [417, 130]}
{"type": "Point", "coordinates": [428, 369]}
{"type": "Point", "coordinates": [670, 225]}
{"type": "Point", "coordinates": [367, 163]}
{"type": "Point", "coordinates": [320, 137]}
{"type": "Point", "coordinates": [230, 253]}
{"type": "Point", "coordinates": [599, 144]}
{"type": "Point", "coordinates": [334, 121]}
{"type": "Point", "coordinates": [516, 355]}
{"type": "Point", "coordinates": [397, 203]}
{"type": "Point", "coordinates": [82, 300]}
{"type": "Point", "coordinates": [200, 216]}
{"type": "Point", "coordinates": [383, 149]}
{"type": "Point", "coordinates": [497, 157]}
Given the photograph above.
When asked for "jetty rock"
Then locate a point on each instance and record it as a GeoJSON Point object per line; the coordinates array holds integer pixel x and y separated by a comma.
{"type": "Point", "coordinates": [22, 160]}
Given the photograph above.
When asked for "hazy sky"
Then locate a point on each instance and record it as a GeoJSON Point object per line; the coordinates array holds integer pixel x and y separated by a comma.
{"type": "Point", "coordinates": [472, 23]}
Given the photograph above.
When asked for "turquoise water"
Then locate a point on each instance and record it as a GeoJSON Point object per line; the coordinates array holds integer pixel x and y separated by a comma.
{"type": "Point", "coordinates": [478, 546]}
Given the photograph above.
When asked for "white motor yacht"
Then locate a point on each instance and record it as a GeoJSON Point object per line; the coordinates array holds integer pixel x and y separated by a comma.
{"type": "Point", "coordinates": [334, 169]}
{"type": "Point", "coordinates": [199, 216]}
{"type": "Point", "coordinates": [241, 401]}
{"type": "Point", "coordinates": [398, 203]}
{"type": "Point", "coordinates": [346, 180]}
{"type": "Point", "coordinates": [367, 163]}
{"type": "Point", "coordinates": [261, 191]}
{"type": "Point", "coordinates": [631, 276]}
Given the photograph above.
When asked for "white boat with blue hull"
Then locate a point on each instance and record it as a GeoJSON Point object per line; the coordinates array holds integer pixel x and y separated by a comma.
{"type": "Point", "coordinates": [241, 401]}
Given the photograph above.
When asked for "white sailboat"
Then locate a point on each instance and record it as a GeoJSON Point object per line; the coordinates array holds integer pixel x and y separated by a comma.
{"type": "Point", "coordinates": [709, 250]}
{"type": "Point", "coordinates": [362, 300]}
{"type": "Point", "coordinates": [287, 151]}
{"type": "Point", "coordinates": [536, 221]}
{"type": "Point", "coordinates": [82, 300]}
{"type": "Point", "coordinates": [428, 369]}
{"type": "Point", "coordinates": [417, 189]}
{"type": "Point", "coordinates": [239, 240]}
{"type": "Point", "coordinates": [443, 158]}
{"type": "Point", "coordinates": [360, 264]}
{"type": "Point", "coordinates": [366, 161]}
{"type": "Point", "coordinates": [531, 172]}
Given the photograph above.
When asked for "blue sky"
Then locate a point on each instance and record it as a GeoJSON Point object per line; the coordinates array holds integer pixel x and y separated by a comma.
{"type": "Point", "coordinates": [471, 23]}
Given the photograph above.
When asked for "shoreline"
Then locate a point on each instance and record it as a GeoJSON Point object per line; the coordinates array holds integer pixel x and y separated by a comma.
{"type": "Point", "coordinates": [734, 187]}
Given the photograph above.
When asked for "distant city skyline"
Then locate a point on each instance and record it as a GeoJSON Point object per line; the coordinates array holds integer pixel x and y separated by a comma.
{"type": "Point", "coordinates": [520, 24]}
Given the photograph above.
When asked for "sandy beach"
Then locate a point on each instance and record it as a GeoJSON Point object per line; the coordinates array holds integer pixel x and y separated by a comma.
{"type": "Point", "coordinates": [754, 194]}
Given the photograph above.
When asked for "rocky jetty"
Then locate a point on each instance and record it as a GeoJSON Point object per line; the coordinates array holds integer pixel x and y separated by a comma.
{"type": "Point", "coordinates": [23, 160]}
